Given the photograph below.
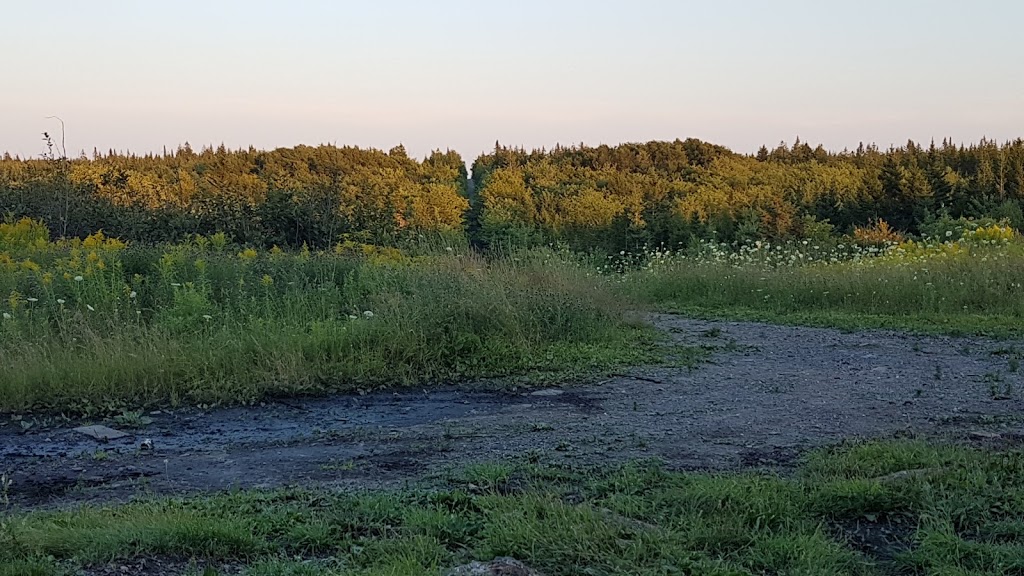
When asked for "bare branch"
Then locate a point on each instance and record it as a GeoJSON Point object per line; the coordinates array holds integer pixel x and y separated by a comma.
{"type": "Point", "coordinates": [63, 148]}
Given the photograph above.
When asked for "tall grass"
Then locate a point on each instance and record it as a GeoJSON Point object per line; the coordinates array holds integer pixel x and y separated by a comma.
{"type": "Point", "coordinates": [950, 287]}
{"type": "Point", "coordinates": [195, 323]}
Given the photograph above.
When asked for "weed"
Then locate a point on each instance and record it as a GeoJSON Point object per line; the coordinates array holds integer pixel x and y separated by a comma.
{"type": "Point", "coordinates": [132, 419]}
{"type": "Point", "coordinates": [992, 377]}
{"type": "Point", "coordinates": [488, 476]}
{"type": "Point", "coordinates": [998, 387]}
{"type": "Point", "coordinates": [346, 466]}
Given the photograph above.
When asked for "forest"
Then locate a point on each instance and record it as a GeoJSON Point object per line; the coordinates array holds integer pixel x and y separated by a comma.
{"type": "Point", "coordinates": [601, 199]}
{"type": "Point", "coordinates": [287, 197]}
{"type": "Point", "coordinates": [671, 193]}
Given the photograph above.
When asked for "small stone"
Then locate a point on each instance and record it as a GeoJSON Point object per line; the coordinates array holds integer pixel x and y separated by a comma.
{"type": "Point", "coordinates": [99, 432]}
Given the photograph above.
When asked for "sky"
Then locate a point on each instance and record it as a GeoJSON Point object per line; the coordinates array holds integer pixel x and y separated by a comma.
{"type": "Point", "coordinates": [451, 74]}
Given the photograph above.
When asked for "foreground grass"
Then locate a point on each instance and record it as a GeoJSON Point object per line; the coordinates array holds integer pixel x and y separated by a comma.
{"type": "Point", "coordinates": [98, 327]}
{"type": "Point", "coordinates": [876, 508]}
{"type": "Point", "coordinates": [966, 290]}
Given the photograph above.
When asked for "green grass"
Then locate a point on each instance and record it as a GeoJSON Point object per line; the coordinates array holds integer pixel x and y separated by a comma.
{"type": "Point", "coordinates": [197, 325]}
{"type": "Point", "coordinates": [943, 509]}
{"type": "Point", "coordinates": [977, 291]}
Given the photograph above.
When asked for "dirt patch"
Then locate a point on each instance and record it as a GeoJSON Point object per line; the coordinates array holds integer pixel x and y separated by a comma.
{"type": "Point", "coordinates": [882, 540]}
{"type": "Point", "coordinates": [767, 395]}
{"type": "Point", "coordinates": [155, 566]}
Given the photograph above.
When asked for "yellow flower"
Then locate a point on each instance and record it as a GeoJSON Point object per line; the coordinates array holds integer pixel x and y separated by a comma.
{"type": "Point", "coordinates": [248, 254]}
{"type": "Point", "coordinates": [266, 280]}
{"type": "Point", "coordinates": [94, 240]}
{"type": "Point", "coordinates": [47, 278]}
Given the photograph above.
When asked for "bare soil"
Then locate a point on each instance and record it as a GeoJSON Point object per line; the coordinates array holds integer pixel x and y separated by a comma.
{"type": "Point", "coordinates": [767, 395]}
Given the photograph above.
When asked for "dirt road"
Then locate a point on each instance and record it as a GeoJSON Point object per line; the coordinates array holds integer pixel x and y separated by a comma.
{"type": "Point", "coordinates": [767, 394]}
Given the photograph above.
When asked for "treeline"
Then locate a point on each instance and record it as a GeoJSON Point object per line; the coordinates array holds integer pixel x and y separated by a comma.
{"type": "Point", "coordinates": [594, 198]}
{"type": "Point", "coordinates": [289, 196]}
{"type": "Point", "coordinates": [667, 193]}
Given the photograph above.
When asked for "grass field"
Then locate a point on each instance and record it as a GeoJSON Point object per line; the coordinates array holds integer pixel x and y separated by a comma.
{"type": "Point", "coordinates": [96, 326]}
{"type": "Point", "coordinates": [875, 508]}
{"type": "Point", "coordinates": [971, 286]}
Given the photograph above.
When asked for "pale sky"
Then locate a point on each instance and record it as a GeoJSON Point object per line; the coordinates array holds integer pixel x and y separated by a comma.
{"type": "Point", "coordinates": [140, 75]}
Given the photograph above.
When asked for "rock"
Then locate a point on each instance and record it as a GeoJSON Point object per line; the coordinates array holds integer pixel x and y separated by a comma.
{"type": "Point", "coordinates": [547, 392]}
{"type": "Point", "coordinates": [101, 433]}
{"type": "Point", "coordinates": [982, 435]}
{"type": "Point", "coordinates": [497, 567]}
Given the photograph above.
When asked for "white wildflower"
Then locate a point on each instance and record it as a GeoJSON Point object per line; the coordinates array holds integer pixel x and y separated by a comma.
{"type": "Point", "coordinates": [368, 314]}
{"type": "Point", "coordinates": [353, 317]}
{"type": "Point", "coordinates": [132, 294]}
{"type": "Point", "coordinates": [207, 317]}
{"type": "Point", "coordinates": [32, 299]}
{"type": "Point", "coordinates": [7, 316]}
{"type": "Point", "coordinates": [79, 278]}
{"type": "Point", "coordinates": [61, 301]}
{"type": "Point", "coordinates": [91, 309]}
